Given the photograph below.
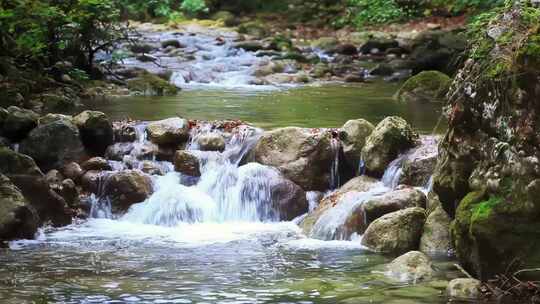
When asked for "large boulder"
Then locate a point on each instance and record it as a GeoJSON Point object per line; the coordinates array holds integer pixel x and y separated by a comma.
{"type": "Point", "coordinates": [436, 237]}
{"type": "Point", "coordinates": [171, 131]}
{"type": "Point", "coordinates": [17, 123]}
{"type": "Point", "coordinates": [18, 218]}
{"type": "Point", "coordinates": [25, 174]}
{"type": "Point", "coordinates": [187, 162]}
{"type": "Point", "coordinates": [391, 137]}
{"type": "Point", "coordinates": [393, 201]}
{"type": "Point", "coordinates": [304, 156]}
{"type": "Point", "coordinates": [353, 136]}
{"type": "Point", "coordinates": [126, 188]}
{"type": "Point", "coordinates": [53, 144]}
{"type": "Point", "coordinates": [413, 266]}
{"type": "Point", "coordinates": [425, 87]}
{"type": "Point", "coordinates": [96, 131]}
{"type": "Point", "coordinates": [328, 221]}
{"type": "Point", "coordinates": [397, 232]}
{"type": "Point", "coordinates": [488, 172]}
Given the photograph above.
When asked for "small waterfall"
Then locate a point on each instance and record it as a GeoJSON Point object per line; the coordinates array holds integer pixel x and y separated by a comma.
{"type": "Point", "coordinates": [334, 224]}
{"type": "Point", "coordinates": [393, 172]}
{"type": "Point", "coordinates": [99, 202]}
{"type": "Point", "coordinates": [335, 145]}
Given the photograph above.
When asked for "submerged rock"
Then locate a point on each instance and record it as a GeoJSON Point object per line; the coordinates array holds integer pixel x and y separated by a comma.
{"type": "Point", "coordinates": [126, 188]}
{"type": "Point", "coordinates": [353, 136]}
{"type": "Point", "coordinates": [426, 87]}
{"type": "Point", "coordinates": [171, 131]}
{"type": "Point", "coordinates": [463, 289]}
{"type": "Point", "coordinates": [391, 137]}
{"type": "Point", "coordinates": [413, 266]}
{"type": "Point", "coordinates": [54, 144]}
{"type": "Point", "coordinates": [18, 219]}
{"type": "Point", "coordinates": [396, 232]}
{"type": "Point", "coordinates": [96, 131]}
{"type": "Point", "coordinates": [304, 156]}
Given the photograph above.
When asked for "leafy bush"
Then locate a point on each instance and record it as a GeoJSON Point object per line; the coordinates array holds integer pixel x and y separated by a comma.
{"type": "Point", "coordinates": [194, 6]}
{"type": "Point", "coordinates": [374, 11]}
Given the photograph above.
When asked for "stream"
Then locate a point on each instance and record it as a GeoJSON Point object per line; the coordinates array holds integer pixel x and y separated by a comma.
{"type": "Point", "coordinates": [218, 240]}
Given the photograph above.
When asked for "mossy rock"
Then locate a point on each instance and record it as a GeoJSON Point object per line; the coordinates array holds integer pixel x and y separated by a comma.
{"type": "Point", "coordinates": [151, 85]}
{"type": "Point", "coordinates": [228, 18]}
{"type": "Point", "coordinates": [425, 87]}
{"type": "Point", "coordinates": [253, 28]}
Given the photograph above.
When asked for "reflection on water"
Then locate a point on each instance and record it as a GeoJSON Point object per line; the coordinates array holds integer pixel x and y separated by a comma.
{"type": "Point", "coordinates": [104, 261]}
{"type": "Point", "coordinates": [310, 106]}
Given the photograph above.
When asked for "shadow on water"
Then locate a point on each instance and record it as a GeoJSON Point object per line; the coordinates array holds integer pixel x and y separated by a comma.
{"type": "Point", "coordinates": [309, 106]}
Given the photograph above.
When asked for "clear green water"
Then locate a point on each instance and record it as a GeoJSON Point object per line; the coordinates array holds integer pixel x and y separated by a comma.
{"type": "Point", "coordinates": [309, 106]}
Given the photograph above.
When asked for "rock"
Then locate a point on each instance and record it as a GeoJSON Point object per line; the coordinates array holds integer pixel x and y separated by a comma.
{"type": "Point", "coordinates": [463, 289]}
{"type": "Point", "coordinates": [380, 45]}
{"type": "Point", "coordinates": [393, 201]}
{"type": "Point", "coordinates": [346, 49]}
{"type": "Point", "coordinates": [396, 232]}
{"type": "Point", "coordinates": [150, 168]}
{"type": "Point", "coordinates": [124, 132]}
{"type": "Point", "coordinates": [413, 266]}
{"type": "Point", "coordinates": [28, 178]}
{"type": "Point", "coordinates": [141, 48]}
{"type": "Point", "coordinates": [418, 167]}
{"type": "Point", "coordinates": [353, 136]}
{"type": "Point", "coordinates": [147, 58]}
{"type": "Point", "coordinates": [54, 177]}
{"type": "Point", "coordinates": [69, 192]}
{"type": "Point", "coordinates": [211, 142]}
{"type": "Point", "coordinates": [228, 18]}
{"type": "Point", "coordinates": [151, 85]}
{"type": "Point", "coordinates": [171, 43]}
{"type": "Point", "coordinates": [186, 162]}
{"type": "Point", "coordinates": [382, 69]}
{"type": "Point", "coordinates": [351, 78]}
{"type": "Point", "coordinates": [18, 219]}
{"type": "Point", "coordinates": [289, 199]}
{"type": "Point", "coordinates": [253, 28]}
{"type": "Point", "coordinates": [302, 155]}
{"type": "Point", "coordinates": [54, 144]}
{"type": "Point", "coordinates": [51, 117]}
{"type": "Point", "coordinates": [326, 44]}
{"type": "Point", "coordinates": [171, 131]}
{"type": "Point", "coordinates": [126, 188]}
{"type": "Point", "coordinates": [342, 225]}
{"type": "Point", "coordinates": [426, 87]}
{"type": "Point", "coordinates": [96, 131]}
{"type": "Point", "coordinates": [436, 235]}
{"type": "Point", "coordinates": [96, 163]}
{"type": "Point", "coordinates": [119, 150]}
{"type": "Point", "coordinates": [72, 171]}
{"type": "Point", "coordinates": [18, 123]}
{"type": "Point", "coordinates": [391, 137]}
{"type": "Point", "coordinates": [91, 181]}
{"type": "Point", "coordinates": [4, 142]}
{"type": "Point", "coordinates": [250, 46]}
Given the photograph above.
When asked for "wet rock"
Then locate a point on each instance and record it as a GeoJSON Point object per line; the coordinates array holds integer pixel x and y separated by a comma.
{"type": "Point", "coordinates": [18, 219]}
{"type": "Point", "coordinates": [289, 199]}
{"type": "Point", "coordinates": [211, 142]}
{"type": "Point", "coordinates": [147, 58]}
{"type": "Point", "coordinates": [172, 131]}
{"type": "Point", "coordinates": [413, 266]}
{"type": "Point", "coordinates": [126, 188]}
{"type": "Point", "coordinates": [397, 232]}
{"type": "Point", "coordinates": [28, 178]}
{"type": "Point", "coordinates": [302, 155]}
{"type": "Point", "coordinates": [96, 131]}
{"type": "Point", "coordinates": [151, 168]}
{"type": "Point", "coordinates": [141, 48]}
{"type": "Point", "coordinates": [353, 136]}
{"type": "Point", "coordinates": [463, 289]}
{"type": "Point", "coordinates": [186, 162]}
{"type": "Point", "coordinates": [378, 45]}
{"type": "Point", "coordinates": [130, 72]}
{"type": "Point", "coordinates": [124, 132]}
{"type": "Point", "coordinates": [354, 78]}
{"type": "Point", "coordinates": [18, 123]}
{"type": "Point", "coordinates": [96, 163]}
{"type": "Point", "coordinates": [436, 235]}
{"type": "Point", "coordinates": [54, 144]}
{"type": "Point", "coordinates": [151, 85]}
{"type": "Point", "coordinates": [426, 87]}
{"type": "Point", "coordinates": [119, 150]}
{"type": "Point", "coordinates": [393, 201]}
{"type": "Point", "coordinates": [69, 192]}
{"type": "Point", "coordinates": [253, 28]}
{"type": "Point", "coordinates": [354, 221]}
{"type": "Point", "coordinates": [250, 46]}
{"type": "Point", "coordinates": [346, 49]}
{"type": "Point", "coordinates": [391, 137]}
{"type": "Point", "coordinates": [92, 180]}
{"type": "Point", "coordinates": [382, 69]}
{"type": "Point", "coordinates": [54, 177]}
{"type": "Point", "coordinates": [172, 43]}
{"type": "Point", "coordinates": [418, 167]}
{"type": "Point", "coordinates": [326, 44]}
{"type": "Point", "coordinates": [228, 18]}
{"type": "Point", "coordinates": [72, 171]}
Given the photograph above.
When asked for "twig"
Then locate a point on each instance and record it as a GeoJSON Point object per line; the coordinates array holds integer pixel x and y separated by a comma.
{"type": "Point", "coordinates": [463, 271]}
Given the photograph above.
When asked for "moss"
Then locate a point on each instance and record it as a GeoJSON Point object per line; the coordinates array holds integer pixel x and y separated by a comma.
{"type": "Point", "coordinates": [149, 84]}
{"type": "Point", "coordinates": [426, 86]}
{"type": "Point", "coordinates": [483, 209]}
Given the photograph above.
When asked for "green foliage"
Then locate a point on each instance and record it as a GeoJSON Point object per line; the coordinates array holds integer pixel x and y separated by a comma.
{"type": "Point", "coordinates": [375, 11]}
{"type": "Point", "coordinates": [194, 6]}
